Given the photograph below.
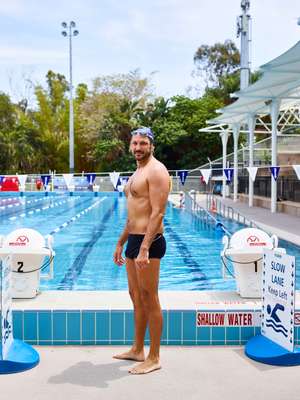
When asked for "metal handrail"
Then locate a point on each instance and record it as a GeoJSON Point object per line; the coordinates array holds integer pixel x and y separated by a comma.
{"type": "Point", "coordinates": [229, 212]}
{"type": "Point", "coordinates": [195, 208]}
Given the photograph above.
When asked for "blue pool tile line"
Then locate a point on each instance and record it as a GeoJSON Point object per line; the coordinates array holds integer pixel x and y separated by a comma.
{"type": "Point", "coordinates": [115, 327]}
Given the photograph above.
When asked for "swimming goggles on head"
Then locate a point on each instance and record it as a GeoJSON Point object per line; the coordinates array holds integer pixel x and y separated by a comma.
{"type": "Point", "coordinates": [144, 132]}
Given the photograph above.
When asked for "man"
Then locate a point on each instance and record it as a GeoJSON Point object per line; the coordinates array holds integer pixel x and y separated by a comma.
{"type": "Point", "coordinates": [147, 194]}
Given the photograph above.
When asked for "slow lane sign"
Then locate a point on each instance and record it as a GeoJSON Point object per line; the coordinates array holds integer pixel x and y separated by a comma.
{"type": "Point", "coordinates": [278, 298]}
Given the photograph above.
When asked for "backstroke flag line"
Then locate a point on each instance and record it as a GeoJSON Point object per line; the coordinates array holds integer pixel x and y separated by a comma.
{"type": "Point", "coordinates": [206, 174]}
{"type": "Point", "coordinates": [252, 172]}
{"type": "Point", "coordinates": [297, 170]}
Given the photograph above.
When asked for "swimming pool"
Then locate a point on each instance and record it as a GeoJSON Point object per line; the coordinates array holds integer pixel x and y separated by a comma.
{"type": "Point", "coordinates": [86, 228]}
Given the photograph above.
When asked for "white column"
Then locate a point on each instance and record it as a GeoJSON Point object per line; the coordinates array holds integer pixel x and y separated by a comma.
{"type": "Point", "coordinates": [224, 136]}
{"type": "Point", "coordinates": [251, 127]}
{"type": "Point", "coordinates": [236, 133]}
{"type": "Point", "coordinates": [274, 116]}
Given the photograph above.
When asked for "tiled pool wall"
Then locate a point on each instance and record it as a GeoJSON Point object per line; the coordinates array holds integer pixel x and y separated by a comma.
{"type": "Point", "coordinates": [115, 327]}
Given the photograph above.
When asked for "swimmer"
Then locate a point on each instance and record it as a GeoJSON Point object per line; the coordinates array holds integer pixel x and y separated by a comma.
{"type": "Point", "coordinates": [147, 194]}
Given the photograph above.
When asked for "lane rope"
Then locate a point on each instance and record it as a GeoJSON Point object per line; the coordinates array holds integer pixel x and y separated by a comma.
{"type": "Point", "coordinates": [77, 216]}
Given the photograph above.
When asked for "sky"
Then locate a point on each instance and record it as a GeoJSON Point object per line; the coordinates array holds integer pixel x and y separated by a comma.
{"type": "Point", "coordinates": [118, 36]}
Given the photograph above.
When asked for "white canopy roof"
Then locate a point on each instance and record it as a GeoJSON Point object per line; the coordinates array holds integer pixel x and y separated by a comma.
{"type": "Point", "coordinates": [280, 80]}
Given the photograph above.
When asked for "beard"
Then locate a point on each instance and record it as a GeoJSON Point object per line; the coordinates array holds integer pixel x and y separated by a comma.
{"type": "Point", "coordinates": [142, 155]}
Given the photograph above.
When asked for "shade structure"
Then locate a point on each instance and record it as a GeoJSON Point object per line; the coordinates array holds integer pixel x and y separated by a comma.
{"type": "Point", "coordinates": [277, 90]}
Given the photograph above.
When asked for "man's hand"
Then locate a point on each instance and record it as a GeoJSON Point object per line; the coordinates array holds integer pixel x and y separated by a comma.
{"type": "Point", "coordinates": [118, 259]}
{"type": "Point", "coordinates": [142, 259]}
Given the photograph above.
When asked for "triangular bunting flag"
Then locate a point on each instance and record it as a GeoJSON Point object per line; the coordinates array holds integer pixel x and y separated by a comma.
{"type": "Point", "coordinates": [297, 170]}
{"type": "Point", "coordinates": [68, 179]}
{"type": "Point", "coordinates": [206, 174]}
{"type": "Point", "coordinates": [182, 176]}
{"type": "Point", "coordinates": [45, 179]}
{"type": "Point", "coordinates": [22, 180]}
{"type": "Point", "coordinates": [252, 172]}
{"type": "Point", "coordinates": [275, 172]}
{"type": "Point", "coordinates": [124, 180]}
{"type": "Point", "coordinates": [228, 174]}
{"type": "Point", "coordinates": [114, 177]}
{"type": "Point", "coordinates": [90, 178]}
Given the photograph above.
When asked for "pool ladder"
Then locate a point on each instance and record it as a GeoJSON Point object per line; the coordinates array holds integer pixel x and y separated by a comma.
{"type": "Point", "coordinates": [204, 215]}
{"type": "Point", "coordinates": [229, 212]}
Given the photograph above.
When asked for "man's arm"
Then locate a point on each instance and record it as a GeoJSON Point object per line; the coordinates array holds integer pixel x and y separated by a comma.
{"type": "Point", "coordinates": [118, 259]}
{"type": "Point", "coordinates": [159, 184]}
{"type": "Point", "coordinates": [124, 236]}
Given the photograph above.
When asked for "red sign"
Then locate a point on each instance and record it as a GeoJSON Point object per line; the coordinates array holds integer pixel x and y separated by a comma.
{"type": "Point", "coordinates": [297, 318]}
{"type": "Point", "coordinates": [225, 319]}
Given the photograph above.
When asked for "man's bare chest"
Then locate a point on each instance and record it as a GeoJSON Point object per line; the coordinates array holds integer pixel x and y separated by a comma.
{"type": "Point", "coordinates": [138, 185]}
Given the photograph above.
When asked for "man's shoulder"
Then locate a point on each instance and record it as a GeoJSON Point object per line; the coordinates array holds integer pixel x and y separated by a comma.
{"type": "Point", "coordinates": [158, 166]}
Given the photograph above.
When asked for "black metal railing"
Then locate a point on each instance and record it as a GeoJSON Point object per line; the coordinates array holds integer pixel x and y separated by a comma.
{"type": "Point", "coordinates": [287, 188]}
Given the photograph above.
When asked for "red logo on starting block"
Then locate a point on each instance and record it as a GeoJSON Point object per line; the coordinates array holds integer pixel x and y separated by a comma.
{"type": "Point", "coordinates": [297, 318]}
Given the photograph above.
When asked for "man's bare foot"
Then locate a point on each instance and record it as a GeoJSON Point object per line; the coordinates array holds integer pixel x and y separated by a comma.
{"type": "Point", "coordinates": [131, 355]}
{"type": "Point", "coordinates": [146, 367]}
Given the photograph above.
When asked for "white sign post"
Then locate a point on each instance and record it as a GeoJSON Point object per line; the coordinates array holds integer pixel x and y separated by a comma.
{"type": "Point", "coordinates": [6, 314]}
{"type": "Point", "coordinates": [275, 345]}
{"type": "Point", "coordinates": [15, 355]}
{"type": "Point", "coordinates": [278, 298]}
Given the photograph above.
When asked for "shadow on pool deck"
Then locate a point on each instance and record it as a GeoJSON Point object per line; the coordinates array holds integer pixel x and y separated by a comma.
{"type": "Point", "coordinates": [193, 373]}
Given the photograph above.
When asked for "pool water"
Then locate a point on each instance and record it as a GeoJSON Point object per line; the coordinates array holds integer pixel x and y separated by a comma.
{"type": "Point", "coordinates": [86, 229]}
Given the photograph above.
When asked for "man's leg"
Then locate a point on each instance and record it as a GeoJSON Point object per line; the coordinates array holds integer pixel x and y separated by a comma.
{"type": "Point", "coordinates": [136, 352]}
{"type": "Point", "coordinates": [148, 279]}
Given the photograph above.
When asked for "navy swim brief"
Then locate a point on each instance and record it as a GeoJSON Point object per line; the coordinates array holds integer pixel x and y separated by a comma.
{"type": "Point", "coordinates": [156, 250]}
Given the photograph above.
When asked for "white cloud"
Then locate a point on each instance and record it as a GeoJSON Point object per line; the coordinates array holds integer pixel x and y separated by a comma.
{"type": "Point", "coordinates": [22, 55]}
{"type": "Point", "coordinates": [12, 7]}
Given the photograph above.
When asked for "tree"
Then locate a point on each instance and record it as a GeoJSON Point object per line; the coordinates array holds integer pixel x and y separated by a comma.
{"type": "Point", "coordinates": [215, 62]}
{"type": "Point", "coordinates": [106, 117]}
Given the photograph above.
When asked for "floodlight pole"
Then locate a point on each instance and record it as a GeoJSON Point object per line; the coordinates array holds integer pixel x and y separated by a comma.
{"type": "Point", "coordinates": [70, 31]}
{"type": "Point", "coordinates": [71, 118]}
{"type": "Point", "coordinates": [243, 30]}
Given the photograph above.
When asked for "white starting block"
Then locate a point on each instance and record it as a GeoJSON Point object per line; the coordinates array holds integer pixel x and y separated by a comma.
{"type": "Point", "coordinates": [27, 249]}
{"type": "Point", "coordinates": [245, 250]}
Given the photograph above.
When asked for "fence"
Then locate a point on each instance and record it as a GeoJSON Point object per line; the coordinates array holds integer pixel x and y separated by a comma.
{"type": "Point", "coordinates": [288, 188]}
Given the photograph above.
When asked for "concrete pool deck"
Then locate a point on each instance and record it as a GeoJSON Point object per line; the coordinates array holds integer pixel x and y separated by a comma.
{"type": "Point", "coordinates": [193, 373]}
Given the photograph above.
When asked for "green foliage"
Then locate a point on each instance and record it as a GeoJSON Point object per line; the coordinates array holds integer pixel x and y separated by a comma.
{"type": "Point", "coordinates": [38, 140]}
